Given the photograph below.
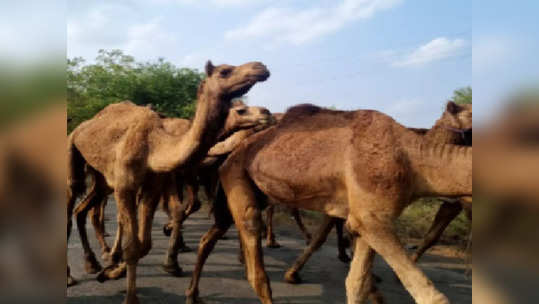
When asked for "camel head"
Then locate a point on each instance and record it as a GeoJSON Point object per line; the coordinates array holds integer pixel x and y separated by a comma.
{"type": "Point", "coordinates": [241, 116]}
{"type": "Point", "coordinates": [230, 81]}
{"type": "Point", "coordinates": [457, 116]}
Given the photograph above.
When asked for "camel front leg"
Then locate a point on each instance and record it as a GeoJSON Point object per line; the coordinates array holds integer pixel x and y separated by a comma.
{"type": "Point", "coordinates": [223, 221]}
{"type": "Point", "coordinates": [292, 274]}
{"type": "Point", "coordinates": [248, 219]}
{"type": "Point", "coordinates": [448, 212]}
{"type": "Point", "coordinates": [270, 236]}
{"type": "Point", "coordinates": [131, 249]}
{"type": "Point", "coordinates": [359, 282]}
{"type": "Point", "coordinates": [299, 222]}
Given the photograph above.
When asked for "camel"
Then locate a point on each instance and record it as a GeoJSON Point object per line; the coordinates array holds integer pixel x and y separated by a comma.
{"type": "Point", "coordinates": [294, 212]}
{"type": "Point", "coordinates": [453, 127]}
{"type": "Point", "coordinates": [130, 148]}
{"type": "Point", "coordinates": [239, 117]}
{"type": "Point", "coordinates": [361, 166]}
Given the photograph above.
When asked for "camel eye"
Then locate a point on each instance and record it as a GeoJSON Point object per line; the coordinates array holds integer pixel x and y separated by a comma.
{"type": "Point", "coordinates": [225, 72]}
{"type": "Point", "coordinates": [241, 111]}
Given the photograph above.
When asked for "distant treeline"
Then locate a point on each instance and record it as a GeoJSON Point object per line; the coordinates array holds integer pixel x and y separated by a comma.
{"type": "Point", "coordinates": [115, 77]}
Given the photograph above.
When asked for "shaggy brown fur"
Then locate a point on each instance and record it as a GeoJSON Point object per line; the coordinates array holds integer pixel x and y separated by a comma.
{"type": "Point", "coordinates": [361, 166]}
{"type": "Point", "coordinates": [129, 146]}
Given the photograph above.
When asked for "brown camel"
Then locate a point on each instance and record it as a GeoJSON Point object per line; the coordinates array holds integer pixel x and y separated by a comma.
{"type": "Point", "coordinates": [129, 146]}
{"type": "Point", "coordinates": [294, 212]}
{"type": "Point", "coordinates": [239, 117]}
{"type": "Point", "coordinates": [361, 166]}
{"type": "Point", "coordinates": [453, 127]}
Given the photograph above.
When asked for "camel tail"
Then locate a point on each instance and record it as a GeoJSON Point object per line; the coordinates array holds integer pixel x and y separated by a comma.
{"type": "Point", "coordinates": [75, 170]}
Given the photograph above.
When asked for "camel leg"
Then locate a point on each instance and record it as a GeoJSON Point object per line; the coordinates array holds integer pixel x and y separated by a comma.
{"type": "Point", "coordinates": [173, 199]}
{"type": "Point", "coordinates": [270, 236]}
{"type": "Point", "coordinates": [247, 217]}
{"type": "Point", "coordinates": [97, 217]}
{"type": "Point", "coordinates": [342, 243]}
{"type": "Point", "coordinates": [115, 270]}
{"type": "Point", "coordinates": [131, 250]}
{"type": "Point", "coordinates": [291, 276]}
{"type": "Point", "coordinates": [448, 212]}
{"type": "Point", "coordinates": [359, 282]}
{"type": "Point", "coordinates": [92, 199]}
{"type": "Point", "coordinates": [376, 228]}
{"type": "Point", "coordinates": [299, 222]}
{"type": "Point", "coordinates": [223, 221]}
{"type": "Point", "coordinates": [71, 198]}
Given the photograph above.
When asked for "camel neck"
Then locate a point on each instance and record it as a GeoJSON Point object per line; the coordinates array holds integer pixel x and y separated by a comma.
{"type": "Point", "coordinates": [174, 152]}
{"type": "Point", "coordinates": [440, 169]}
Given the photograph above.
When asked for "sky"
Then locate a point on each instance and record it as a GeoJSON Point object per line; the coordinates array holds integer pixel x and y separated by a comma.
{"type": "Point", "coordinates": [402, 57]}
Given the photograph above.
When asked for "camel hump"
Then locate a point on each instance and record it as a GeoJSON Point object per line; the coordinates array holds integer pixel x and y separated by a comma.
{"type": "Point", "coordinates": [299, 112]}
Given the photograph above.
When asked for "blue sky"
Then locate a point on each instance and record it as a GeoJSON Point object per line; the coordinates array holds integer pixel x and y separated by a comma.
{"type": "Point", "coordinates": [402, 57]}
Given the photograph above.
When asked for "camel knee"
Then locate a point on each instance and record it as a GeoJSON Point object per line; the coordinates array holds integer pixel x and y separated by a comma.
{"type": "Point", "coordinates": [252, 220]}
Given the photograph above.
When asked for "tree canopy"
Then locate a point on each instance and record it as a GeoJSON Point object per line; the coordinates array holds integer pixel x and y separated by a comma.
{"type": "Point", "coordinates": [463, 95]}
{"type": "Point", "coordinates": [116, 76]}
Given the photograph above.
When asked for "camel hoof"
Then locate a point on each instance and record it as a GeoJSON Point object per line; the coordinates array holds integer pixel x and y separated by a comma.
{"type": "Point", "coordinates": [91, 265]}
{"type": "Point", "coordinates": [344, 258]}
{"type": "Point", "coordinates": [273, 244]}
{"type": "Point", "coordinates": [167, 230]}
{"type": "Point", "coordinates": [112, 272]}
{"type": "Point", "coordinates": [292, 278]}
{"type": "Point", "coordinates": [193, 300]}
{"type": "Point", "coordinates": [102, 277]}
{"type": "Point", "coordinates": [71, 281]}
{"type": "Point", "coordinates": [173, 269]}
{"type": "Point", "coordinates": [131, 300]}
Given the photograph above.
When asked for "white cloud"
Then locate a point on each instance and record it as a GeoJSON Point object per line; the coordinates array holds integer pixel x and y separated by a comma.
{"type": "Point", "coordinates": [296, 27]}
{"type": "Point", "coordinates": [221, 3]}
{"type": "Point", "coordinates": [118, 27]}
{"type": "Point", "coordinates": [435, 50]}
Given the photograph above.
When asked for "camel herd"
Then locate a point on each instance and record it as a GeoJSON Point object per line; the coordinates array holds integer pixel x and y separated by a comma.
{"type": "Point", "coordinates": [359, 168]}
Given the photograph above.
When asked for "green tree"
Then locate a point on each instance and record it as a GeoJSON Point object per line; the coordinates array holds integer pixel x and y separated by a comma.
{"type": "Point", "coordinates": [463, 95]}
{"type": "Point", "coordinates": [115, 77]}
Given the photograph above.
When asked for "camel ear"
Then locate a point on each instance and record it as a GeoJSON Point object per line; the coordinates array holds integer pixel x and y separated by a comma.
{"type": "Point", "coordinates": [209, 68]}
{"type": "Point", "coordinates": [237, 103]}
{"type": "Point", "coordinates": [452, 107]}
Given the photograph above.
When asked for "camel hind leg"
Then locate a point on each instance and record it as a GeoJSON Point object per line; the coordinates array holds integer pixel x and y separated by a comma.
{"type": "Point", "coordinates": [223, 221]}
{"type": "Point", "coordinates": [446, 214]}
{"type": "Point", "coordinates": [92, 199]}
{"type": "Point", "coordinates": [97, 216]}
{"type": "Point", "coordinates": [270, 236]}
{"type": "Point", "coordinates": [291, 275]}
{"type": "Point", "coordinates": [342, 242]}
{"type": "Point", "coordinates": [75, 188]}
{"type": "Point", "coordinates": [299, 222]}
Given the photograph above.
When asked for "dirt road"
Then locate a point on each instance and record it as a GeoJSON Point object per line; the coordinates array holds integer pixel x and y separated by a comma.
{"type": "Point", "coordinates": [223, 279]}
